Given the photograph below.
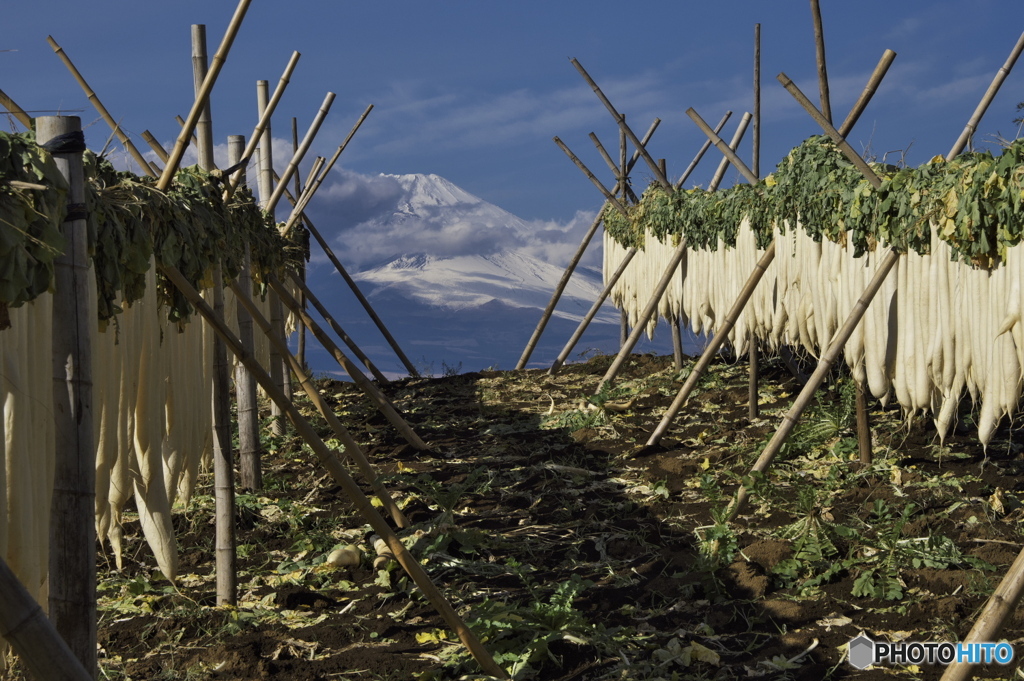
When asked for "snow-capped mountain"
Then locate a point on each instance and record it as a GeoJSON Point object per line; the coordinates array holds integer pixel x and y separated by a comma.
{"type": "Point", "coordinates": [458, 281]}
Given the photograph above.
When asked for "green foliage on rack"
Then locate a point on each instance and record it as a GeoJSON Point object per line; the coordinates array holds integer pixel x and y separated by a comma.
{"type": "Point", "coordinates": [976, 202]}
{"type": "Point", "coordinates": [130, 222]}
{"type": "Point", "coordinates": [30, 219]}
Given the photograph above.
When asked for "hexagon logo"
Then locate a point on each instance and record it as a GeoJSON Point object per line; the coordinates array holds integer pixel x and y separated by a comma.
{"type": "Point", "coordinates": [861, 651]}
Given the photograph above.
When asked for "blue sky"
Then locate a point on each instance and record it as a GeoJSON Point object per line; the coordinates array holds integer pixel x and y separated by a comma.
{"type": "Point", "coordinates": [474, 91]}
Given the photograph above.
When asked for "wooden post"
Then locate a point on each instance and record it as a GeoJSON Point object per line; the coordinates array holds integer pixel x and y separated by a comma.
{"type": "Point", "coordinates": [307, 294]}
{"type": "Point", "coordinates": [819, 48]}
{"type": "Point", "coordinates": [677, 344]}
{"type": "Point", "coordinates": [250, 470]}
{"type": "Point", "coordinates": [72, 561]}
{"type": "Point", "coordinates": [223, 464]}
{"type": "Point", "coordinates": [300, 354]}
{"type": "Point", "coordinates": [341, 476]}
{"type": "Point", "coordinates": [352, 449]}
{"type": "Point", "coordinates": [753, 410]}
{"type": "Point", "coordinates": [98, 105]}
{"type": "Point", "coordinates": [216, 64]}
{"type": "Point", "coordinates": [567, 274]}
{"type": "Point", "coordinates": [368, 388]}
{"type": "Point", "coordinates": [32, 636]}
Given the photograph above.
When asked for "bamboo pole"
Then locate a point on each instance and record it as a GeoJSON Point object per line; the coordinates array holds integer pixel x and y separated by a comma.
{"type": "Point", "coordinates": [835, 348]}
{"type": "Point", "coordinates": [608, 196]}
{"type": "Point", "coordinates": [610, 284]}
{"type": "Point", "coordinates": [362, 299]}
{"type": "Point", "coordinates": [753, 409]}
{"type": "Point", "coordinates": [712, 348]}
{"type": "Point", "coordinates": [703, 150]}
{"type": "Point", "coordinates": [157, 148]}
{"type": "Point", "coordinates": [256, 138]}
{"type": "Point", "coordinates": [266, 187]}
{"type": "Point", "coordinates": [32, 636]}
{"type": "Point", "coordinates": [312, 189]}
{"type": "Point", "coordinates": [719, 338]}
{"type": "Point", "coordinates": [589, 317]}
{"type": "Point", "coordinates": [989, 95]}
{"type": "Point", "coordinates": [723, 165]}
{"type": "Point", "coordinates": [334, 466]}
{"type": "Point", "coordinates": [621, 120]}
{"type": "Point", "coordinates": [293, 164]}
{"type": "Point", "coordinates": [567, 274]}
{"type": "Point", "coordinates": [102, 110]}
{"type": "Point", "coordinates": [364, 384]}
{"type": "Point", "coordinates": [352, 449]}
{"type": "Point", "coordinates": [216, 64]}
{"type": "Point", "coordinates": [223, 457]}
{"type": "Point", "coordinates": [307, 294]}
{"type": "Point", "coordinates": [245, 385]}
{"type": "Point", "coordinates": [15, 110]}
{"type": "Point", "coordinates": [72, 556]}
{"type": "Point", "coordinates": [677, 257]}
{"type": "Point", "coordinates": [819, 51]}
{"type": "Point", "coordinates": [989, 624]}
{"type": "Point", "coordinates": [300, 354]}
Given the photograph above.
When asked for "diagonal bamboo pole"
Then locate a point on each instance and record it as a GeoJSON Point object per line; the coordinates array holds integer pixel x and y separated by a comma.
{"type": "Point", "coordinates": [361, 298]}
{"type": "Point", "coordinates": [32, 635]}
{"type": "Point", "coordinates": [352, 448]}
{"type": "Point", "coordinates": [610, 284]}
{"type": "Point", "coordinates": [216, 64]}
{"type": "Point", "coordinates": [990, 94]}
{"type": "Point", "coordinates": [102, 110]}
{"type": "Point", "coordinates": [567, 274]}
{"type": "Point", "coordinates": [157, 148]}
{"type": "Point", "coordinates": [264, 121]}
{"type": "Point", "coordinates": [677, 255]}
{"type": "Point", "coordinates": [621, 120]}
{"type": "Point", "coordinates": [15, 110]}
{"type": "Point", "coordinates": [353, 371]}
{"type": "Point", "coordinates": [293, 165]}
{"type": "Point", "coordinates": [334, 466]}
{"type": "Point", "coordinates": [311, 189]}
{"type": "Point", "coordinates": [297, 280]}
{"type": "Point", "coordinates": [835, 348]}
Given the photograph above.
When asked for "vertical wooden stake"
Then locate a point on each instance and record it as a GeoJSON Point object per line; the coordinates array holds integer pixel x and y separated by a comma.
{"type": "Point", "coordinates": [753, 410]}
{"type": "Point", "coordinates": [819, 45]}
{"type": "Point", "coordinates": [72, 562]}
{"type": "Point", "coordinates": [863, 426]}
{"type": "Point", "coordinates": [300, 354]}
{"type": "Point", "coordinates": [223, 457]}
{"type": "Point", "coordinates": [245, 384]}
{"type": "Point", "coordinates": [266, 187]}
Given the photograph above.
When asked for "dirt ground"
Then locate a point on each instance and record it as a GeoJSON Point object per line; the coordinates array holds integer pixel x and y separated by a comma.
{"type": "Point", "coordinates": [575, 553]}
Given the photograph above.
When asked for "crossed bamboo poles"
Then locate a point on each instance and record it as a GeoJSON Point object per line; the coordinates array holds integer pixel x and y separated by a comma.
{"type": "Point", "coordinates": [303, 427]}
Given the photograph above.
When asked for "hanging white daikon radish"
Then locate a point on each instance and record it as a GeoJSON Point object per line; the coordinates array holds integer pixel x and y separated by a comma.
{"type": "Point", "coordinates": [150, 493]}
